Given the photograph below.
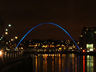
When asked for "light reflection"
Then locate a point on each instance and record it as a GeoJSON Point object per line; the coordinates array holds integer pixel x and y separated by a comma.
{"type": "Point", "coordinates": [89, 63]}
{"type": "Point", "coordinates": [73, 63]}
{"type": "Point", "coordinates": [83, 63]}
{"type": "Point", "coordinates": [36, 64]}
{"type": "Point", "coordinates": [61, 63]}
{"type": "Point", "coordinates": [73, 55]}
{"type": "Point", "coordinates": [53, 62]}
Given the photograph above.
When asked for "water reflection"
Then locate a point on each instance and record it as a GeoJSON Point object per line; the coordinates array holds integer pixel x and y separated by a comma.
{"type": "Point", "coordinates": [90, 63]}
{"type": "Point", "coordinates": [83, 63]}
{"type": "Point", "coordinates": [56, 63]}
{"type": "Point", "coordinates": [64, 63]}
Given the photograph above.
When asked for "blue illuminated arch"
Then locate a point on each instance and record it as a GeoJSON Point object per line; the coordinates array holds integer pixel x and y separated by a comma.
{"type": "Point", "coordinates": [51, 24]}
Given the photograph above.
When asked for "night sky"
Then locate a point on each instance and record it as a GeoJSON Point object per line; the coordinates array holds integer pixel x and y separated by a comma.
{"type": "Point", "coordinates": [73, 15]}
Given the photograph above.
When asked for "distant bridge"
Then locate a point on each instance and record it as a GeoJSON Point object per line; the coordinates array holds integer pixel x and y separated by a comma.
{"type": "Point", "coordinates": [43, 24]}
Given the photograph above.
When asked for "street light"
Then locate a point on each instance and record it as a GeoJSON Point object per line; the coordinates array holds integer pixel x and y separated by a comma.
{"type": "Point", "coordinates": [9, 25]}
{"type": "Point", "coordinates": [16, 37]}
{"type": "Point", "coordinates": [12, 39]}
{"type": "Point", "coordinates": [6, 29]}
{"type": "Point", "coordinates": [6, 33]}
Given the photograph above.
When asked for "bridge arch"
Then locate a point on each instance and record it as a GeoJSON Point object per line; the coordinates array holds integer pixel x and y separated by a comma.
{"type": "Point", "coordinates": [51, 24]}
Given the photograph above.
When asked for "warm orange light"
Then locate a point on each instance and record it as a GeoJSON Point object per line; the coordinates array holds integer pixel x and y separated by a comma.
{"type": "Point", "coordinates": [1, 53]}
{"type": "Point", "coordinates": [52, 46]}
{"type": "Point", "coordinates": [83, 51]}
{"type": "Point", "coordinates": [12, 39]}
{"type": "Point", "coordinates": [44, 46]}
{"type": "Point", "coordinates": [16, 37]}
{"type": "Point", "coordinates": [60, 49]}
{"type": "Point", "coordinates": [6, 33]}
{"type": "Point", "coordinates": [83, 63]}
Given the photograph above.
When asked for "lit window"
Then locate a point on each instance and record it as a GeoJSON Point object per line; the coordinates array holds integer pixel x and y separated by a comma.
{"type": "Point", "coordinates": [12, 39]}
{"type": "Point", "coordinates": [1, 37]}
{"type": "Point", "coordinates": [60, 49]}
{"type": "Point", "coordinates": [16, 37]}
{"type": "Point", "coordinates": [77, 42]}
{"type": "Point", "coordinates": [91, 49]}
{"type": "Point", "coordinates": [95, 32]}
{"type": "Point", "coordinates": [6, 33]}
{"type": "Point", "coordinates": [6, 29]}
{"type": "Point", "coordinates": [89, 45]}
{"type": "Point", "coordinates": [81, 35]}
{"type": "Point", "coordinates": [81, 48]}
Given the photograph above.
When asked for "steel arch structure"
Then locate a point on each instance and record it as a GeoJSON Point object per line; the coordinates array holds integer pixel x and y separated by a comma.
{"type": "Point", "coordinates": [43, 24]}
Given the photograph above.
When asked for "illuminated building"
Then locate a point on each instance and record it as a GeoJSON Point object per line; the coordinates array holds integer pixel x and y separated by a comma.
{"type": "Point", "coordinates": [88, 38]}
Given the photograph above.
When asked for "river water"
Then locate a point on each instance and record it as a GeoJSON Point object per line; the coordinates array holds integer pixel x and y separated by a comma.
{"type": "Point", "coordinates": [55, 63]}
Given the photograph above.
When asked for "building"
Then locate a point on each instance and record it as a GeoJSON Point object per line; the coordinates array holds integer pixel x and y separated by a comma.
{"type": "Point", "coordinates": [88, 39]}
